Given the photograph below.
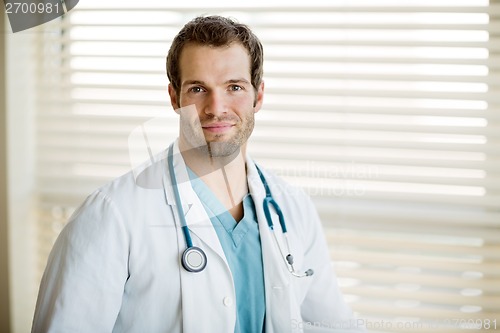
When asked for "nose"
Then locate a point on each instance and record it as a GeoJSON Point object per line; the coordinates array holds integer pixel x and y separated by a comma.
{"type": "Point", "coordinates": [215, 104]}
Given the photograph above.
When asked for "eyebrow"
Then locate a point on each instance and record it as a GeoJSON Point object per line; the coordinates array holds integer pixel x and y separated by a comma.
{"type": "Point", "coordinates": [194, 82]}
{"type": "Point", "coordinates": [190, 82]}
{"type": "Point", "coordinates": [238, 81]}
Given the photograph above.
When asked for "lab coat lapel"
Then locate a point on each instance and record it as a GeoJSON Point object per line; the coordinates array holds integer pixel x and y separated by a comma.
{"type": "Point", "coordinates": [276, 276]}
{"type": "Point", "coordinates": [197, 218]}
{"type": "Point", "coordinates": [199, 290]}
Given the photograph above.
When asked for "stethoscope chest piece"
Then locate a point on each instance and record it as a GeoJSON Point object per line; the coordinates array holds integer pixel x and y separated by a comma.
{"type": "Point", "coordinates": [194, 259]}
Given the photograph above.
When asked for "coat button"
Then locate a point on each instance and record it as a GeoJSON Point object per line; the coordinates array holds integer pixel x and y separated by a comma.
{"type": "Point", "coordinates": [228, 301]}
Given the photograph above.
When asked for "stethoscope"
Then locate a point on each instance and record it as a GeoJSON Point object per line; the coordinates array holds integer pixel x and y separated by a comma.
{"type": "Point", "coordinates": [194, 259]}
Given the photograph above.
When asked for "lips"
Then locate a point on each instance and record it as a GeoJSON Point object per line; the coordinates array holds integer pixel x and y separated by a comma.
{"type": "Point", "coordinates": [217, 127]}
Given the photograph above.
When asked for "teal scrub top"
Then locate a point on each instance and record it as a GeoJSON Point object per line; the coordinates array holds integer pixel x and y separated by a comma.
{"type": "Point", "coordinates": [241, 244]}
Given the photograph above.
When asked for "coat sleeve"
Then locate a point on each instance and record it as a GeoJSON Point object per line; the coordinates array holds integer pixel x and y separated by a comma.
{"type": "Point", "coordinates": [82, 286]}
{"type": "Point", "coordinates": [324, 308]}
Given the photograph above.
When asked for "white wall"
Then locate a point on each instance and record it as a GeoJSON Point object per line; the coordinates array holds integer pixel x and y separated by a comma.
{"type": "Point", "coordinates": [20, 90]}
{"type": "Point", "coordinates": [4, 242]}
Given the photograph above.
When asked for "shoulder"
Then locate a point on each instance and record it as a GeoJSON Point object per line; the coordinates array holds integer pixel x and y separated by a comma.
{"type": "Point", "coordinates": [127, 196]}
{"type": "Point", "coordinates": [142, 181]}
{"type": "Point", "coordinates": [145, 178]}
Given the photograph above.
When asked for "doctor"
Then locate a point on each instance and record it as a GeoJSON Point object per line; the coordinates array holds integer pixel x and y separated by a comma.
{"type": "Point", "coordinates": [199, 239]}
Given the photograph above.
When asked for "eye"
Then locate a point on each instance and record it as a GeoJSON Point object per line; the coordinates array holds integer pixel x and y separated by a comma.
{"type": "Point", "coordinates": [235, 87]}
{"type": "Point", "coordinates": [195, 89]}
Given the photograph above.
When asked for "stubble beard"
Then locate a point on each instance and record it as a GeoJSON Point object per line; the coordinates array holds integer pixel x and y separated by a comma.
{"type": "Point", "coordinates": [219, 147]}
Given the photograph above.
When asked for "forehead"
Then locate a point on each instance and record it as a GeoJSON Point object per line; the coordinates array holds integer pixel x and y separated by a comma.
{"type": "Point", "coordinates": [201, 62]}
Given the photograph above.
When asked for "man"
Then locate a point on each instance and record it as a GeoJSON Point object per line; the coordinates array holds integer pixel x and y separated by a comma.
{"type": "Point", "coordinates": [193, 241]}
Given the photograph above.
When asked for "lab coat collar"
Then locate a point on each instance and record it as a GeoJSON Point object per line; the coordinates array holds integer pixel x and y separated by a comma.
{"type": "Point", "coordinates": [188, 195]}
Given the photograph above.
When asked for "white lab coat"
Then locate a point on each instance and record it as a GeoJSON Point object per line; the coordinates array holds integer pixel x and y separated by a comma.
{"type": "Point", "coordinates": [116, 265]}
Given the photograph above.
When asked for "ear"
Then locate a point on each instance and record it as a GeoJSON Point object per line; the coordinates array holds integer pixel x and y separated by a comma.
{"type": "Point", "coordinates": [173, 97]}
{"type": "Point", "coordinates": [259, 98]}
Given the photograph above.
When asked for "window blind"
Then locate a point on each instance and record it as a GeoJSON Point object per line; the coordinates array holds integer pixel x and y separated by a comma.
{"type": "Point", "coordinates": [385, 112]}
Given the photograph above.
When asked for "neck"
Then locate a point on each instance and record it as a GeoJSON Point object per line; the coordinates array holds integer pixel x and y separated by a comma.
{"type": "Point", "coordinates": [225, 176]}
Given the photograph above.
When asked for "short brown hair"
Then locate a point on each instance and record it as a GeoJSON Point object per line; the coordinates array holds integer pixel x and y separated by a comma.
{"type": "Point", "coordinates": [215, 31]}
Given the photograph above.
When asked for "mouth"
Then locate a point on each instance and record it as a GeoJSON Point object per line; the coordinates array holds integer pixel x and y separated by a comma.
{"type": "Point", "coordinates": [217, 128]}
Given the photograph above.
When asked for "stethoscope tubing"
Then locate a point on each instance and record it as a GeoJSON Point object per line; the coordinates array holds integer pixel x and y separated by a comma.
{"type": "Point", "coordinates": [182, 217]}
{"type": "Point", "coordinates": [200, 258]}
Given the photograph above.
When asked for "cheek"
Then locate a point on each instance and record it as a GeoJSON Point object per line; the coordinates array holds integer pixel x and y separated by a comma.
{"type": "Point", "coordinates": [183, 100]}
{"type": "Point", "coordinates": [244, 103]}
{"type": "Point", "coordinates": [189, 114]}
{"type": "Point", "coordinates": [198, 102]}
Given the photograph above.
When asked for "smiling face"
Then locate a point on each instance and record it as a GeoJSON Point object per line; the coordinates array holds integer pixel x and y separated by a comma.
{"type": "Point", "coordinates": [217, 82]}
